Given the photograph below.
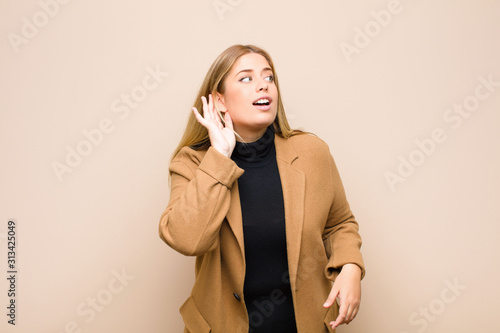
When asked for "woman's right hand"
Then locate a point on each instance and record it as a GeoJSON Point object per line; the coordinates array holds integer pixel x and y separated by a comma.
{"type": "Point", "coordinates": [221, 138]}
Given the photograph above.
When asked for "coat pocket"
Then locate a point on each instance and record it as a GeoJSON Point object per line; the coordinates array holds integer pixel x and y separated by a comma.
{"type": "Point", "coordinates": [193, 319]}
{"type": "Point", "coordinates": [331, 315]}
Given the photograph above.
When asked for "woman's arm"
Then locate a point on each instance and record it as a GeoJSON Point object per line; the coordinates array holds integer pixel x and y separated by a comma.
{"type": "Point", "coordinates": [345, 264]}
{"type": "Point", "coordinates": [341, 236]}
{"type": "Point", "coordinates": [199, 201]}
{"type": "Point", "coordinates": [200, 190]}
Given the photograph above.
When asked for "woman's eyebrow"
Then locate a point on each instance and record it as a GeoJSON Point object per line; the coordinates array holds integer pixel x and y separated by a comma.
{"type": "Point", "coordinates": [251, 70]}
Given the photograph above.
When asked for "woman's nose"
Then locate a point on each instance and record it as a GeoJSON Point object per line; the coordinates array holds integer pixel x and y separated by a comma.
{"type": "Point", "coordinates": [262, 85]}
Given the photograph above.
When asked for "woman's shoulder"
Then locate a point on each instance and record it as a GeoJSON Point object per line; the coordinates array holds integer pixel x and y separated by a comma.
{"type": "Point", "coordinates": [189, 155]}
{"type": "Point", "coordinates": [308, 142]}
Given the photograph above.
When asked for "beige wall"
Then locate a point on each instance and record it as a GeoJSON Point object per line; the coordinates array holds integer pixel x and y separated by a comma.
{"type": "Point", "coordinates": [431, 231]}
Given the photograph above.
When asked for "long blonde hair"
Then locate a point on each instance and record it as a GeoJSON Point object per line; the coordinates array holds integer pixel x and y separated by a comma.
{"type": "Point", "coordinates": [196, 135]}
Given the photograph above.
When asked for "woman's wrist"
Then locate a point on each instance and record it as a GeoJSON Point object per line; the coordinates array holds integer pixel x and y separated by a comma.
{"type": "Point", "coordinates": [225, 153]}
{"type": "Point", "coordinates": [353, 268]}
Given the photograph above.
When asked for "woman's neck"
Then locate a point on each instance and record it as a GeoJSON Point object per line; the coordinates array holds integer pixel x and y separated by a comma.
{"type": "Point", "coordinates": [249, 135]}
{"type": "Point", "coordinates": [256, 153]}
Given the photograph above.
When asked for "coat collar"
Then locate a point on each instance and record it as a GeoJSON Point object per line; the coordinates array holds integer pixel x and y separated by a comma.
{"type": "Point", "coordinates": [293, 185]}
{"type": "Point", "coordinates": [284, 151]}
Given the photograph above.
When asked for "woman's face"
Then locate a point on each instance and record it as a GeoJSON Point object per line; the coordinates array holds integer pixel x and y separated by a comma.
{"type": "Point", "coordinates": [250, 96]}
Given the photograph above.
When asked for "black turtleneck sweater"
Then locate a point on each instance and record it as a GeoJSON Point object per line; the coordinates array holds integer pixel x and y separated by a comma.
{"type": "Point", "coordinates": [267, 291]}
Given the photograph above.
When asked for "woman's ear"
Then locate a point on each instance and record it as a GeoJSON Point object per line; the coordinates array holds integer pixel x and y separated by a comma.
{"type": "Point", "coordinates": [219, 102]}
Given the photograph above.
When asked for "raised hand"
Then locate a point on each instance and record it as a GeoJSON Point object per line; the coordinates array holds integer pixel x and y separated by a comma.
{"type": "Point", "coordinates": [221, 138]}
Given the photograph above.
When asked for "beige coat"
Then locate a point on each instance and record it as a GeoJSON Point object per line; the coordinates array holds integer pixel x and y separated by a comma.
{"type": "Point", "coordinates": [203, 219]}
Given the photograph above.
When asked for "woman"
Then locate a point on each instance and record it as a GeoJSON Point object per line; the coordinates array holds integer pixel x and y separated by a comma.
{"type": "Point", "coordinates": [262, 208]}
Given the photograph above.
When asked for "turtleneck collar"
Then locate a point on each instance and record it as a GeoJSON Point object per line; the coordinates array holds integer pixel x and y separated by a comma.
{"type": "Point", "coordinates": [256, 153]}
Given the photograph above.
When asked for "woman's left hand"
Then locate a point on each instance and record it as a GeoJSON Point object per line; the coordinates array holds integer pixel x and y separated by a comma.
{"type": "Point", "coordinates": [347, 287]}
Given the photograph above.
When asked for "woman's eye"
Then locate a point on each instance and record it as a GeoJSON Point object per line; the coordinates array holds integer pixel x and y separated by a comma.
{"type": "Point", "coordinates": [270, 78]}
{"type": "Point", "coordinates": [245, 79]}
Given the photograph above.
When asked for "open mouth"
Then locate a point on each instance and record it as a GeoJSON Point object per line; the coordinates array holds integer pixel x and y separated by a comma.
{"type": "Point", "coordinates": [262, 101]}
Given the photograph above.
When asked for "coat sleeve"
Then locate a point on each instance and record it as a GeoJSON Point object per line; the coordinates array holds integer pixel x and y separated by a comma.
{"type": "Point", "coordinates": [199, 201]}
{"type": "Point", "coordinates": [341, 238]}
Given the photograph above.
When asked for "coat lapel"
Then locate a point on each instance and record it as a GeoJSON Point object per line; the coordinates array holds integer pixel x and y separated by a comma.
{"type": "Point", "coordinates": [235, 218]}
{"type": "Point", "coordinates": [293, 183]}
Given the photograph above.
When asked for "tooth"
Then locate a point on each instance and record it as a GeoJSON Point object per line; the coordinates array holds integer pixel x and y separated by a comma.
{"type": "Point", "coordinates": [262, 101]}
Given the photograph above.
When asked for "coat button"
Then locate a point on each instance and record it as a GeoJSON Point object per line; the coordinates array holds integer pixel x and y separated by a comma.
{"type": "Point", "coordinates": [237, 296]}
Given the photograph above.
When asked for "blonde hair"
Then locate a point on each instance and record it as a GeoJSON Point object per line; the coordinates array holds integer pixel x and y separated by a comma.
{"type": "Point", "coordinates": [196, 135]}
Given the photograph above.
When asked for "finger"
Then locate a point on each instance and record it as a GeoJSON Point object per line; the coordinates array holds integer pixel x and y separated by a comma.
{"type": "Point", "coordinates": [331, 298]}
{"type": "Point", "coordinates": [341, 317]}
{"type": "Point", "coordinates": [339, 321]}
{"type": "Point", "coordinates": [214, 112]}
{"type": "Point", "coordinates": [353, 314]}
{"type": "Point", "coordinates": [204, 106]}
{"type": "Point", "coordinates": [210, 104]}
{"type": "Point", "coordinates": [348, 307]}
{"type": "Point", "coordinates": [217, 114]}
{"type": "Point", "coordinates": [206, 112]}
{"type": "Point", "coordinates": [227, 120]}
{"type": "Point", "coordinates": [199, 117]}
{"type": "Point", "coordinates": [348, 316]}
